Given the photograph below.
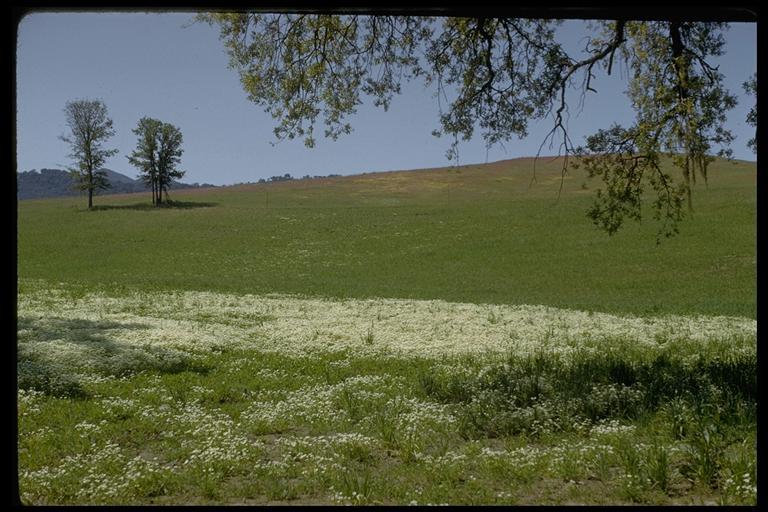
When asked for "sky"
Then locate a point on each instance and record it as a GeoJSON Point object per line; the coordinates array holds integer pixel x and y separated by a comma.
{"type": "Point", "coordinates": [160, 65]}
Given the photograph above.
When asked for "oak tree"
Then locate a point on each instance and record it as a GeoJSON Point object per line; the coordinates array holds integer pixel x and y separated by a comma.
{"type": "Point", "coordinates": [501, 73]}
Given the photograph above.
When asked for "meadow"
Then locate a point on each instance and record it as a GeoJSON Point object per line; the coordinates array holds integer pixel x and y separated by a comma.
{"type": "Point", "coordinates": [459, 336]}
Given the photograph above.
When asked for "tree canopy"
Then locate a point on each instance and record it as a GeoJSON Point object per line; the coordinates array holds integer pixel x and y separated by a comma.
{"type": "Point", "coordinates": [750, 86]}
{"type": "Point", "coordinates": [495, 75]}
{"type": "Point", "coordinates": [144, 157]}
{"type": "Point", "coordinates": [90, 126]}
{"type": "Point", "coordinates": [158, 152]}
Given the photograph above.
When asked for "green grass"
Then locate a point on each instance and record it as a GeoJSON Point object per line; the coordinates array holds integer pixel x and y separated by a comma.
{"type": "Point", "coordinates": [133, 391]}
{"type": "Point", "coordinates": [480, 234]}
{"type": "Point", "coordinates": [614, 423]}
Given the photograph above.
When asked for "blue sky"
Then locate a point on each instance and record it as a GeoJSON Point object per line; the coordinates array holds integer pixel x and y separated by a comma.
{"type": "Point", "coordinates": [154, 65]}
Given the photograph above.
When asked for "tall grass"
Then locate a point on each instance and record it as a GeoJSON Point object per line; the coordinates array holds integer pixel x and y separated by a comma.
{"type": "Point", "coordinates": [529, 391]}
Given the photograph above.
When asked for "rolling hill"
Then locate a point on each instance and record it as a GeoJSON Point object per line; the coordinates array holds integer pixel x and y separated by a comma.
{"type": "Point", "coordinates": [57, 183]}
{"type": "Point", "coordinates": [493, 233]}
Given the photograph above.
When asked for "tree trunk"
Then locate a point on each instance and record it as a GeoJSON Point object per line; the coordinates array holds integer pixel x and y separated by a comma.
{"type": "Point", "coordinates": [159, 194]}
{"type": "Point", "coordinates": [90, 198]}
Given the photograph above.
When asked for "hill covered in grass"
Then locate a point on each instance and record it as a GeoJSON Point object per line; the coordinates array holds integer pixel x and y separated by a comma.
{"type": "Point", "coordinates": [491, 233]}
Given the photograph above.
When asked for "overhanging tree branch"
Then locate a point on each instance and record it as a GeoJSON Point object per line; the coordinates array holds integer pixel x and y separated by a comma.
{"type": "Point", "coordinates": [501, 73]}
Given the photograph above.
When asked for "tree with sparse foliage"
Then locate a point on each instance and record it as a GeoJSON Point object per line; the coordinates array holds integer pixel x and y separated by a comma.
{"type": "Point", "coordinates": [750, 86]}
{"type": "Point", "coordinates": [90, 127]}
{"type": "Point", "coordinates": [495, 74]}
{"type": "Point", "coordinates": [158, 152]}
{"type": "Point", "coordinates": [168, 157]}
{"type": "Point", "coordinates": [144, 157]}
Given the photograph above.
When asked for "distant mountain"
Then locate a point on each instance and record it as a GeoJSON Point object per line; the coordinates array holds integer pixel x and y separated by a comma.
{"type": "Point", "coordinates": [56, 183]}
{"type": "Point", "coordinates": [115, 178]}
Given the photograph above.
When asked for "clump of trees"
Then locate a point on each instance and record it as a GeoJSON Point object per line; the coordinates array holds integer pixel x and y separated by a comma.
{"type": "Point", "coordinates": [287, 177]}
{"type": "Point", "coordinates": [158, 152]}
{"type": "Point", "coordinates": [90, 127]}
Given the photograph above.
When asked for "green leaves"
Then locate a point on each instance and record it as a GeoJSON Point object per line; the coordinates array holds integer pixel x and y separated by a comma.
{"type": "Point", "coordinates": [144, 157]}
{"type": "Point", "coordinates": [89, 127]}
{"type": "Point", "coordinates": [157, 153]}
{"type": "Point", "coordinates": [680, 105]}
{"type": "Point", "coordinates": [495, 75]}
{"type": "Point", "coordinates": [750, 86]}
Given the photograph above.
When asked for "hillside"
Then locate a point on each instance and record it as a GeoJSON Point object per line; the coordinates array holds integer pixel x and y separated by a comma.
{"type": "Point", "coordinates": [57, 183]}
{"type": "Point", "coordinates": [478, 233]}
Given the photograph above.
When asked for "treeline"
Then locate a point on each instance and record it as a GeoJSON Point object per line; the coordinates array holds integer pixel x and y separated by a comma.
{"type": "Point", "coordinates": [46, 183]}
{"type": "Point", "coordinates": [287, 177]}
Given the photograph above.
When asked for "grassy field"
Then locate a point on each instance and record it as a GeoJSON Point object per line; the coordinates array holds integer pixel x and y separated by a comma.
{"type": "Point", "coordinates": [442, 336]}
{"type": "Point", "coordinates": [476, 234]}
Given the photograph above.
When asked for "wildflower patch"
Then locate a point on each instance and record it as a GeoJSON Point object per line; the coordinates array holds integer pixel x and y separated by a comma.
{"type": "Point", "coordinates": [207, 398]}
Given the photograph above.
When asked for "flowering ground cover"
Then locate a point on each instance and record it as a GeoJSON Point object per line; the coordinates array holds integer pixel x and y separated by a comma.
{"type": "Point", "coordinates": [130, 396]}
{"type": "Point", "coordinates": [234, 349]}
